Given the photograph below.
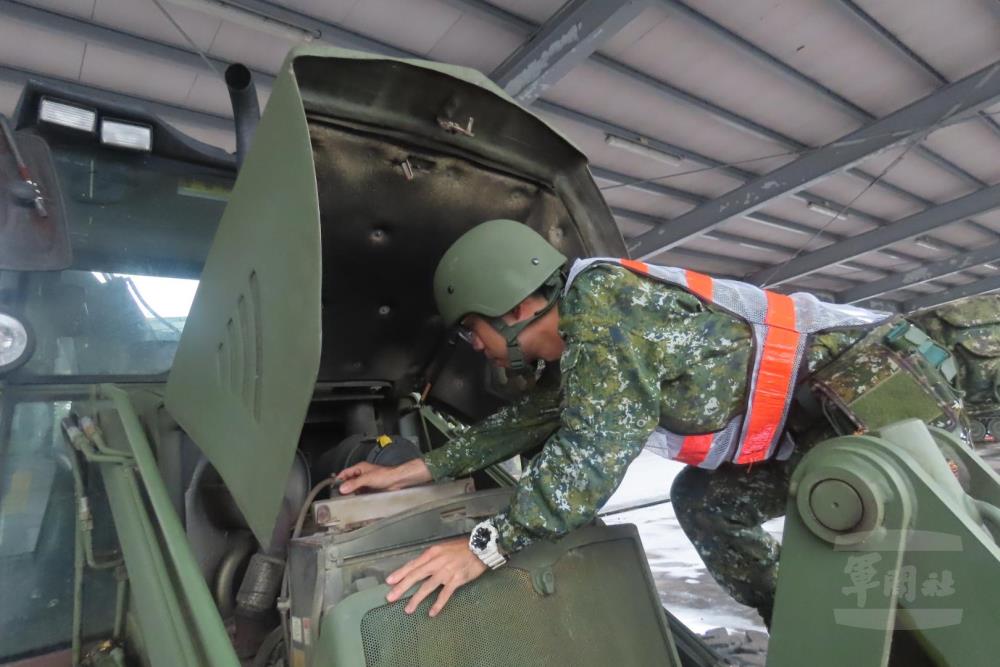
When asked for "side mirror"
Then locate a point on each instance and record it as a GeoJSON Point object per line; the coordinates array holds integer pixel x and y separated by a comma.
{"type": "Point", "coordinates": [33, 236]}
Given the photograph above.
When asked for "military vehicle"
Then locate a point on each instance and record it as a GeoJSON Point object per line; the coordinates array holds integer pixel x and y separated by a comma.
{"type": "Point", "coordinates": [167, 459]}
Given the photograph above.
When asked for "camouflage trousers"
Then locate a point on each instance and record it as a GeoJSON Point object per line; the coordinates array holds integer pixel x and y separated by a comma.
{"type": "Point", "coordinates": [721, 512]}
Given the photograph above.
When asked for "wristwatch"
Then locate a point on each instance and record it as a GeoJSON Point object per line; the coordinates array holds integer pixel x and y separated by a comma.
{"type": "Point", "coordinates": [483, 543]}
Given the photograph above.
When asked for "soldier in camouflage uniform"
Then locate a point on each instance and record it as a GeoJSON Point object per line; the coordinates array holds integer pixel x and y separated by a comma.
{"type": "Point", "coordinates": [634, 353]}
{"type": "Point", "coordinates": [970, 329]}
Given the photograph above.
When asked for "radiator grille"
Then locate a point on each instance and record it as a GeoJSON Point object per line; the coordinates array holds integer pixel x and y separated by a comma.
{"type": "Point", "coordinates": [602, 613]}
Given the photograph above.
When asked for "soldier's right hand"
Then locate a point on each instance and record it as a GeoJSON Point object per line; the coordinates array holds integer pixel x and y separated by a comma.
{"type": "Point", "coordinates": [371, 477]}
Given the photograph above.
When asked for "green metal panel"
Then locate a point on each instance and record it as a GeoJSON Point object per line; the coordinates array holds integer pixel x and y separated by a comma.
{"type": "Point", "coordinates": [247, 362]}
{"type": "Point", "coordinates": [587, 599]}
{"type": "Point", "coordinates": [172, 606]}
{"type": "Point", "coordinates": [811, 601]}
{"type": "Point", "coordinates": [466, 74]}
{"type": "Point", "coordinates": [910, 579]}
{"type": "Point", "coordinates": [154, 601]}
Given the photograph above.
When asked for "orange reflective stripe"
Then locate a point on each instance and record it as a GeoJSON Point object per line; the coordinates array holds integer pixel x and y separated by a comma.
{"type": "Point", "coordinates": [638, 267]}
{"type": "Point", "coordinates": [774, 379]}
{"type": "Point", "coordinates": [780, 311]}
{"type": "Point", "coordinates": [694, 449]}
{"type": "Point", "coordinates": [700, 284]}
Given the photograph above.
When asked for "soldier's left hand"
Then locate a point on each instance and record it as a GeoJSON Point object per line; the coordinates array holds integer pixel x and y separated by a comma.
{"type": "Point", "coordinates": [448, 565]}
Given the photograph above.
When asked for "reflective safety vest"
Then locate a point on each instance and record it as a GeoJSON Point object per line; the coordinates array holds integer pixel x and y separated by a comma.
{"type": "Point", "coordinates": [781, 325]}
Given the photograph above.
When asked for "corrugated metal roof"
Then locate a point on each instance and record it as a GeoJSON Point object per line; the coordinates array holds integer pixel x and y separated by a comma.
{"type": "Point", "coordinates": [728, 91]}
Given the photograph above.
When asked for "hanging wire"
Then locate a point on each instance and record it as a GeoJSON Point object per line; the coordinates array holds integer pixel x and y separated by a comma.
{"type": "Point", "coordinates": [843, 209]}
{"type": "Point", "coordinates": [701, 170]}
{"type": "Point", "coordinates": [187, 37]}
{"type": "Point", "coordinates": [903, 134]}
{"type": "Point", "coordinates": [923, 133]}
{"type": "Point", "coordinates": [137, 295]}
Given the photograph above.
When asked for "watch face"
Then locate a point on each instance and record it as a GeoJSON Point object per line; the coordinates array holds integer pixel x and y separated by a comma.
{"type": "Point", "coordinates": [481, 538]}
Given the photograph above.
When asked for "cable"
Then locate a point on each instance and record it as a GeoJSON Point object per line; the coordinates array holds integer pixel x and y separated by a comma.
{"type": "Point", "coordinates": [134, 291]}
{"type": "Point", "coordinates": [703, 169]}
{"type": "Point", "coordinates": [190, 41]}
{"type": "Point", "coordinates": [845, 207]}
{"type": "Point", "coordinates": [903, 134]}
{"type": "Point", "coordinates": [301, 520]}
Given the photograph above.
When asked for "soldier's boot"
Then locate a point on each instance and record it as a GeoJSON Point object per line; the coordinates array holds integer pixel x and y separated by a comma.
{"type": "Point", "coordinates": [721, 512]}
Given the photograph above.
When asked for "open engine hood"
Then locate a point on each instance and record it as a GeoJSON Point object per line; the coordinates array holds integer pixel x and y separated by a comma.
{"type": "Point", "coordinates": [363, 170]}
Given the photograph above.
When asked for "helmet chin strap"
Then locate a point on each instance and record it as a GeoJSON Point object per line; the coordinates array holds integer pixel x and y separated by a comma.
{"type": "Point", "coordinates": [517, 364]}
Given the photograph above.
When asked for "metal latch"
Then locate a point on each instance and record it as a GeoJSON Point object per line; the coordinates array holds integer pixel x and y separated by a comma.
{"type": "Point", "coordinates": [453, 127]}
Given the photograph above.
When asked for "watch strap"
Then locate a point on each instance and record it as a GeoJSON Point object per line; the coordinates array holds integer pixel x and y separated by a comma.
{"type": "Point", "coordinates": [490, 553]}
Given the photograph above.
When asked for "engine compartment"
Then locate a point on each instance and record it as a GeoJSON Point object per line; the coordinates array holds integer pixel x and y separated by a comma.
{"type": "Point", "coordinates": [346, 424]}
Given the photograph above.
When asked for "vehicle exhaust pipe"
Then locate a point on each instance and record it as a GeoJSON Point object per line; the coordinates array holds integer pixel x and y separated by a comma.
{"type": "Point", "coordinates": [246, 108]}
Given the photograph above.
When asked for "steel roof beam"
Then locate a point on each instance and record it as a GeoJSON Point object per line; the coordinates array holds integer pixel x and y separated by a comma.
{"type": "Point", "coordinates": [926, 301]}
{"type": "Point", "coordinates": [738, 239]}
{"type": "Point", "coordinates": [491, 12]}
{"type": "Point", "coordinates": [889, 38]}
{"type": "Point", "coordinates": [712, 257]}
{"type": "Point", "coordinates": [343, 37]}
{"type": "Point", "coordinates": [329, 33]}
{"type": "Point", "coordinates": [907, 228]}
{"type": "Point", "coordinates": [922, 274]}
{"type": "Point", "coordinates": [117, 39]}
{"type": "Point", "coordinates": [684, 195]}
{"type": "Point", "coordinates": [565, 40]}
{"type": "Point", "coordinates": [857, 112]}
{"type": "Point", "coordinates": [334, 34]}
{"type": "Point", "coordinates": [79, 29]}
{"type": "Point", "coordinates": [515, 22]}
{"type": "Point", "coordinates": [339, 36]}
{"type": "Point", "coordinates": [183, 56]}
{"type": "Point", "coordinates": [804, 196]}
{"type": "Point", "coordinates": [810, 233]}
{"type": "Point", "coordinates": [648, 186]}
{"type": "Point", "coordinates": [653, 221]}
{"type": "Point", "coordinates": [971, 93]}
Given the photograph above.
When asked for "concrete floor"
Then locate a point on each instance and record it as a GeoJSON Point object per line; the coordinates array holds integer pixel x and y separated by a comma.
{"type": "Point", "coordinates": [684, 585]}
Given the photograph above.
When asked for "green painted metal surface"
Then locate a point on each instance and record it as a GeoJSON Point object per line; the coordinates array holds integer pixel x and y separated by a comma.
{"type": "Point", "coordinates": [587, 599]}
{"type": "Point", "coordinates": [464, 74]}
{"type": "Point", "coordinates": [246, 365]}
{"type": "Point", "coordinates": [914, 580]}
{"type": "Point", "coordinates": [172, 605]}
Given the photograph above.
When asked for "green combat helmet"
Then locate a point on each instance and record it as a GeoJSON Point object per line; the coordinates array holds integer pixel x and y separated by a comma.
{"type": "Point", "coordinates": [492, 268]}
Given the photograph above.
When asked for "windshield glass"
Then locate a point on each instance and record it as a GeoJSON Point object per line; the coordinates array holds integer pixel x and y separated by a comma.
{"type": "Point", "coordinates": [140, 228]}
{"type": "Point", "coordinates": [90, 323]}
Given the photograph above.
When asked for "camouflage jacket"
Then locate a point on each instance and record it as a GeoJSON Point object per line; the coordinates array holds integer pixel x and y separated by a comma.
{"type": "Point", "coordinates": [638, 353]}
{"type": "Point", "coordinates": [970, 329]}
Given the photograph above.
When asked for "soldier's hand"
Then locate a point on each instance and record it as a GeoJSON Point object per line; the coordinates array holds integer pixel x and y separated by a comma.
{"type": "Point", "coordinates": [383, 478]}
{"type": "Point", "coordinates": [448, 565]}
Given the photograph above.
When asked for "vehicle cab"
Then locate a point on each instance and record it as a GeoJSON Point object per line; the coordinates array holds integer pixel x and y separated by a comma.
{"type": "Point", "coordinates": [192, 352]}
